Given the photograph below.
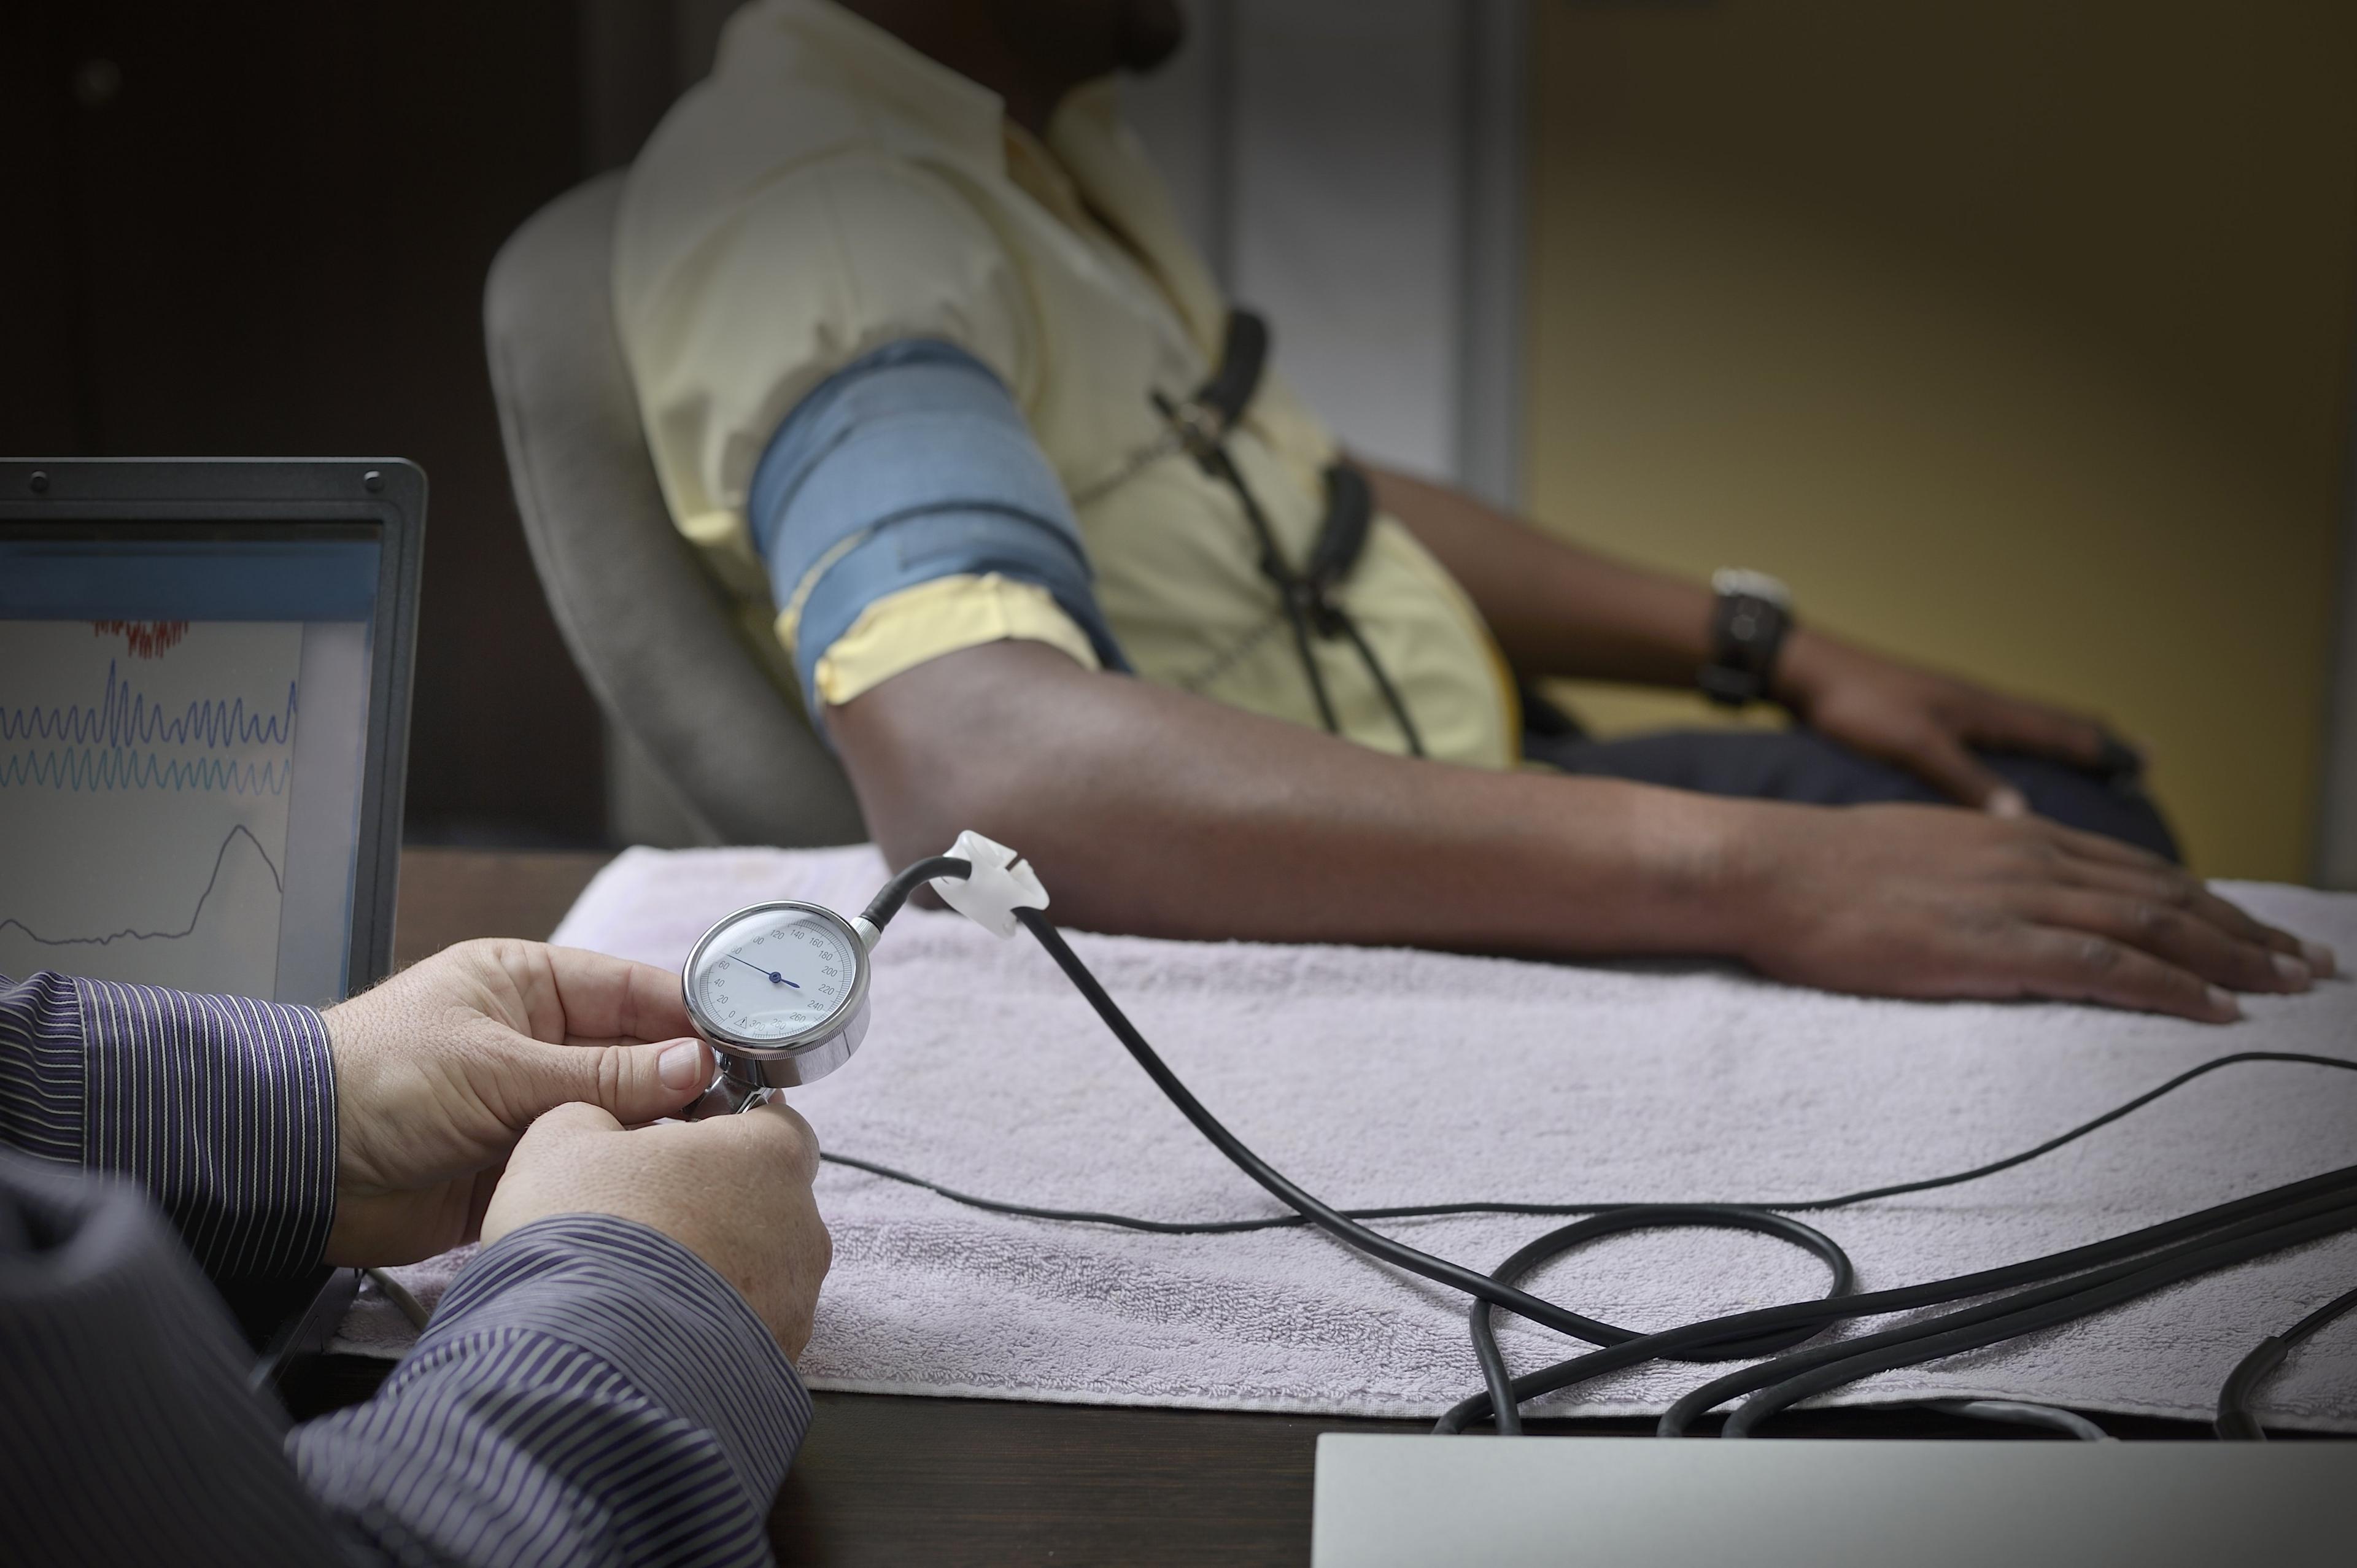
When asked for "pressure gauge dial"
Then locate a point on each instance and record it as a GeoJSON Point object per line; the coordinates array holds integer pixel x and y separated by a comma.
{"type": "Point", "coordinates": [780, 992]}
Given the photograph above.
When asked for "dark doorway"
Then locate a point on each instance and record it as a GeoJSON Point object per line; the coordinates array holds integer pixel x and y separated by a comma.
{"type": "Point", "coordinates": [262, 228]}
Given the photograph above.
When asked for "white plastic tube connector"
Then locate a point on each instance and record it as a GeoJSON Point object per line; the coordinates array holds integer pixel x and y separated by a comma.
{"type": "Point", "coordinates": [1002, 882]}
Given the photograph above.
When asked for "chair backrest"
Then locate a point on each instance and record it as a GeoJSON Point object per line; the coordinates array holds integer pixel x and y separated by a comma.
{"type": "Point", "coordinates": [653, 632]}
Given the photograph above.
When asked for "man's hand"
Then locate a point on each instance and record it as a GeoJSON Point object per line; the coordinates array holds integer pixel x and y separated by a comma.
{"type": "Point", "coordinates": [1925, 723]}
{"type": "Point", "coordinates": [1925, 901]}
{"type": "Point", "coordinates": [440, 1070]}
{"type": "Point", "coordinates": [734, 1191]}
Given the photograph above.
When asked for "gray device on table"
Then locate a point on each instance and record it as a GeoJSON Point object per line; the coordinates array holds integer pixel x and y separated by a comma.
{"type": "Point", "coordinates": [1385, 1501]}
{"type": "Point", "coordinates": [204, 729]}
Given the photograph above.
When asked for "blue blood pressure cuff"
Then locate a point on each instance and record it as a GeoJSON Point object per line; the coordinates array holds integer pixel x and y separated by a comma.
{"type": "Point", "coordinates": [909, 465]}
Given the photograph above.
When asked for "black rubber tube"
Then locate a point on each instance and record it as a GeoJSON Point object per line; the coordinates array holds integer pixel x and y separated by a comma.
{"type": "Point", "coordinates": [2235, 1424]}
{"type": "Point", "coordinates": [2071, 1285]}
{"type": "Point", "coordinates": [895, 893]}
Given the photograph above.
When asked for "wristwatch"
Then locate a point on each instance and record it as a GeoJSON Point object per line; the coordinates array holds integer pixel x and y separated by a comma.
{"type": "Point", "coordinates": [1747, 628]}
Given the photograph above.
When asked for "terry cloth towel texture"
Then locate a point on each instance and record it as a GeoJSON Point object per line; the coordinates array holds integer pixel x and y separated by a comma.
{"type": "Point", "coordinates": [1378, 1077]}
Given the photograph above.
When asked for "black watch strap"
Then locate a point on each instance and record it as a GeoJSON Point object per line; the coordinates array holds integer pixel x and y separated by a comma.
{"type": "Point", "coordinates": [1747, 628]}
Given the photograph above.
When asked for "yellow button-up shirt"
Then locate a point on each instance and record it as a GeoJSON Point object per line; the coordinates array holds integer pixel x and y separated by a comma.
{"type": "Point", "coordinates": [829, 190]}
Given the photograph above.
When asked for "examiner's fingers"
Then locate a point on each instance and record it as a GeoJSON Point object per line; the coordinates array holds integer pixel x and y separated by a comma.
{"type": "Point", "coordinates": [2176, 936]}
{"type": "Point", "coordinates": [2076, 966]}
{"type": "Point", "coordinates": [595, 998]}
{"type": "Point", "coordinates": [778, 1129]}
{"type": "Point", "coordinates": [608, 998]}
{"type": "Point", "coordinates": [571, 1120]}
{"type": "Point", "coordinates": [632, 1083]}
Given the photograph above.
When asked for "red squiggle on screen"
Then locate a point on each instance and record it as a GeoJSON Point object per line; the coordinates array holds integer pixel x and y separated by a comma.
{"type": "Point", "coordinates": [146, 639]}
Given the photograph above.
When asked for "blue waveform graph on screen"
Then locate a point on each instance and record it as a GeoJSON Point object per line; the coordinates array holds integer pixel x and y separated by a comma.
{"type": "Point", "coordinates": [92, 770]}
{"type": "Point", "coordinates": [125, 716]}
{"type": "Point", "coordinates": [145, 772]}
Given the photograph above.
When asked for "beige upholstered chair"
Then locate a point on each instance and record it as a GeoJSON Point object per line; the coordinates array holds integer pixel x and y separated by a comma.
{"type": "Point", "coordinates": [707, 746]}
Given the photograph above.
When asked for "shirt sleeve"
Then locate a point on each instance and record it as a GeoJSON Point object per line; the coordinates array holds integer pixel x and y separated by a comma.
{"type": "Point", "coordinates": [588, 1391]}
{"type": "Point", "coordinates": [728, 318]}
{"type": "Point", "coordinates": [222, 1108]}
{"type": "Point", "coordinates": [904, 511]}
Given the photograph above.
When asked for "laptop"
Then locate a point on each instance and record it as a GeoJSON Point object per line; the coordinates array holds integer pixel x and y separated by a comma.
{"type": "Point", "coordinates": [204, 718]}
{"type": "Point", "coordinates": [1388, 1501]}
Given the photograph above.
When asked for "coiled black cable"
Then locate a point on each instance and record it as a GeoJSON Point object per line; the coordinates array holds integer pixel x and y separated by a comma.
{"type": "Point", "coordinates": [2235, 1423]}
{"type": "Point", "coordinates": [1506, 1411]}
{"type": "Point", "coordinates": [2061, 1287]}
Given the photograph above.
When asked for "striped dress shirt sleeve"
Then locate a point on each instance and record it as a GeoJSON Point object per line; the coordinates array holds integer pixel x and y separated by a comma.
{"type": "Point", "coordinates": [222, 1108]}
{"type": "Point", "coordinates": [589, 1389]}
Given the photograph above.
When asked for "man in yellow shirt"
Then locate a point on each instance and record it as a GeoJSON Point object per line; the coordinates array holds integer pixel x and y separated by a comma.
{"type": "Point", "coordinates": [928, 371]}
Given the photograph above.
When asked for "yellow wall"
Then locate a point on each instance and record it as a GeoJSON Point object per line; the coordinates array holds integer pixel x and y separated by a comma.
{"type": "Point", "coordinates": [2013, 334]}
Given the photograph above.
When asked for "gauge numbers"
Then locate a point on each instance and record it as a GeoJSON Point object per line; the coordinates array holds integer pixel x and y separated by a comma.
{"type": "Point", "coordinates": [775, 973]}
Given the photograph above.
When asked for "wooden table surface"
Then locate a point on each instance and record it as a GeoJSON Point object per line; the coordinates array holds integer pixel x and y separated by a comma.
{"type": "Point", "coordinates": [887, 1479]}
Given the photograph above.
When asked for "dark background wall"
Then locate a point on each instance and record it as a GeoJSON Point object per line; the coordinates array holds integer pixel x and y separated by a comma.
{"type": "Point", "coordinates": [262, 228]}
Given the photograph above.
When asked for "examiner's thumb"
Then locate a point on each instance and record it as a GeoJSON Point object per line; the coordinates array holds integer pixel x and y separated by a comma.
{"type": "Point", "coordinates": [633, 1083]}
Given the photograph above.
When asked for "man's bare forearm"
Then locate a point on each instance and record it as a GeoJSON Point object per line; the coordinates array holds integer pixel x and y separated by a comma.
{"type": "Point", "coordinates": [1157, 812]}
{"type": "Point", "coordinates": [1154, 812]}
{"type": "Point", "coordinates": [1557, 609]}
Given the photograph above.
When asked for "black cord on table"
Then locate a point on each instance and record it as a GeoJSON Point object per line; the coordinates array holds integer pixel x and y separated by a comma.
{"type": "Point", "coordinates": [1550, 1210]}
{"type": "Point", "coordinates": [2061, 1287]}
{"type": "Point", "coordinates": [2235, 1423]}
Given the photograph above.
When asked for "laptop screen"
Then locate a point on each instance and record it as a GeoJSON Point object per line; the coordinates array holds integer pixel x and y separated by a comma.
{"type": "Point", "coordinates": [184, 718]}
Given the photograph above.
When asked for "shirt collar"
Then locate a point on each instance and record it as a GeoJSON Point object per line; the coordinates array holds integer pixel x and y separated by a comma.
{"type": "Point", "coordinates": [961, 122]}
{"type": "Point", "coordinates": [1092, 140]}
{"type": "Point", "coordinates": [958, 115]}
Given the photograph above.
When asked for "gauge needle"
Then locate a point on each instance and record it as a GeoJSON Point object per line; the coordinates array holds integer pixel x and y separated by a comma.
{"type": "Point", "coordinates": [773, 976]}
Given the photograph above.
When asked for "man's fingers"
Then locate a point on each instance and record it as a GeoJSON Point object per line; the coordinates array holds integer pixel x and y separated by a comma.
{"type": "Point", "coordinates": [2168, 885]}
{"type": "Point", "coordinates": [2079, 966]}
{"type": "Point", "coordinates": [1943, 761]}
{"type": "Point", "coordinates": [2098, 862]}
{"type": "Point", "coordinates": [2177, 936]}
{"type": "Point", "coordinates": [2006, 726]}
{"type": "Point", "coordinates": [631, 1083]}
{"type": "Point", "coordinates": [2117, 852]}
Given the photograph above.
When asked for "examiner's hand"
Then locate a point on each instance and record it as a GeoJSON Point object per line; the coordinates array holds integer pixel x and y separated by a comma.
{"type": "Point", "coordinates": [734, 1190]}
{"type": "Point", "coordinates": [440, 1070]}
{"type": "Point", "coordinates": [1927, 723]}
{"type": "Point", "coordinates": [1925, 901]}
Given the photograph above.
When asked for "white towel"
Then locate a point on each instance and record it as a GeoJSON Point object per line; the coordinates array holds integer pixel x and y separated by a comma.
{"type": "Point", "coordinates": [1379, 1076]}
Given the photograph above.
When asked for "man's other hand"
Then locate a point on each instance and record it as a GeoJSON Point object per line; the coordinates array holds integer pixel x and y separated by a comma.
{"type": "Point", "coordinates": [440, 1070]}
{"type": "Point", "coordinates": [1926, 901]}
{"type": "Point", "coordinates": [734, 1191]}
{"type": "Point", "coordinates": [1926, 722]}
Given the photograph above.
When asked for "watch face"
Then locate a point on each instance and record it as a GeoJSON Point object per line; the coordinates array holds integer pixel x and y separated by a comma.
{"type": "Point", "coordinates": [777, 974]}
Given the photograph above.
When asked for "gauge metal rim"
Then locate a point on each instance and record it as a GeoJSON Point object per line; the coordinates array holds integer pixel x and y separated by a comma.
{"type": "Point", "coordinates": [789, 1046]}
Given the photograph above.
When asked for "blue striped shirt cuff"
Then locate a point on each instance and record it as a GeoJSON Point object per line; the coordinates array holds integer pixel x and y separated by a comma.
{"type": "Point", "coordinates": [586, 1378]}
{"type": "Point", "coordinates": [223, 1108]}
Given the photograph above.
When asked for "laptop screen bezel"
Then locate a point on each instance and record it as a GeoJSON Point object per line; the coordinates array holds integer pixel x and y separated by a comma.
{"type": "Point", "coordinates": [274, 499]}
